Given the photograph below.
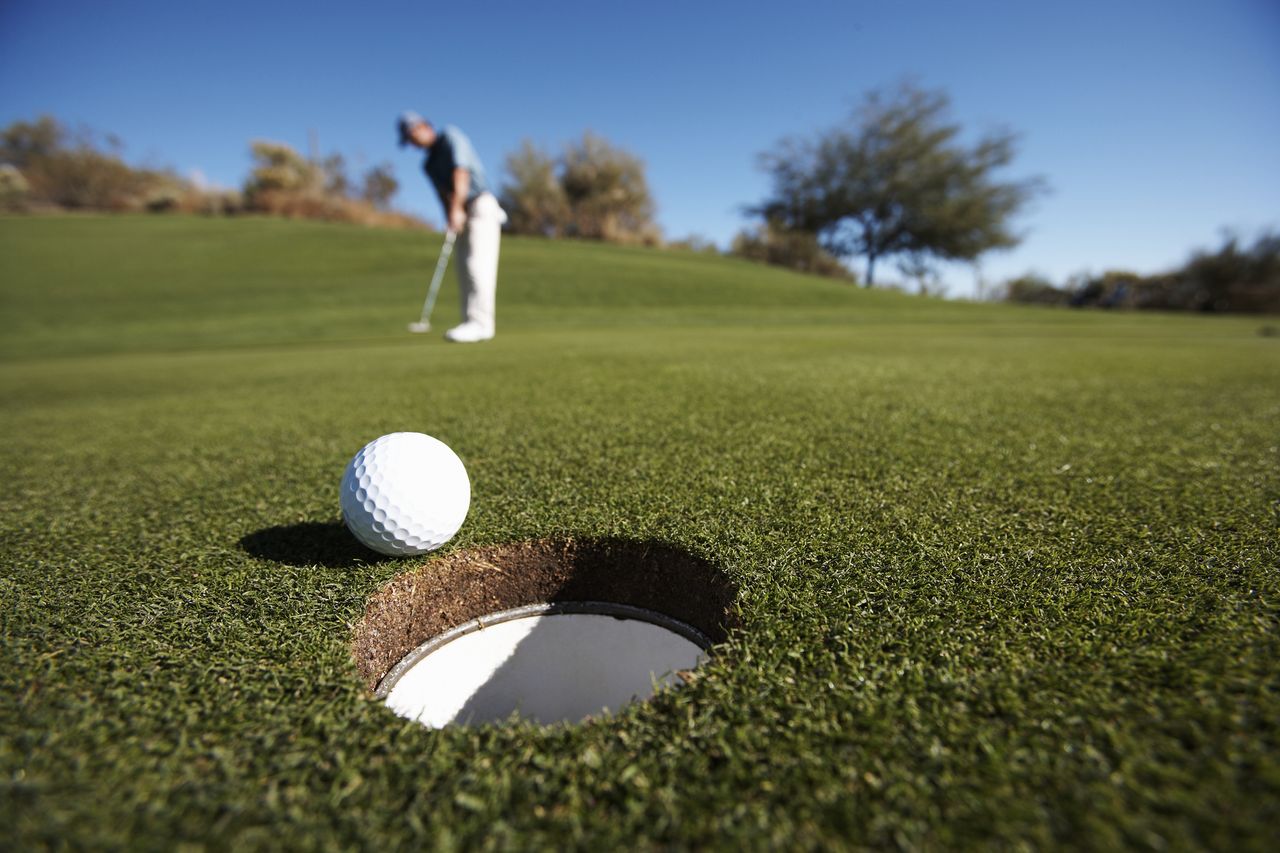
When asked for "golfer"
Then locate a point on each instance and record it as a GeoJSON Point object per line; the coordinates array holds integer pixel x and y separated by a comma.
{"type": "Point", "coordinates": [472, 213]}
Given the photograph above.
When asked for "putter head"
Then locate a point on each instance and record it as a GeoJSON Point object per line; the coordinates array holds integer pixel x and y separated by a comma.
{"type": "Point", "coordinates": [419, 326]}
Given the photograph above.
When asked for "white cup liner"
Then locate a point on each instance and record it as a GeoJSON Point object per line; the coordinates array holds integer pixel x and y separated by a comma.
{"type": "Point", "coordinates": [548, 663]}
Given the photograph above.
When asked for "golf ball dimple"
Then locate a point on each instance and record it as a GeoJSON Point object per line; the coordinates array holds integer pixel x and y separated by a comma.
{"type": "Point", "coordinates": [405, 493]}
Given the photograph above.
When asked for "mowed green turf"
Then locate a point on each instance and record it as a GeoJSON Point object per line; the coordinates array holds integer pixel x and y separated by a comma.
{"type": "Point", "coordinates": [1006, 575]}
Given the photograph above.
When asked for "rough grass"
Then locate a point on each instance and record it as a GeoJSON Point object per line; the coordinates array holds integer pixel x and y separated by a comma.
{"type": "Point", "coordinates": [1007, 576]}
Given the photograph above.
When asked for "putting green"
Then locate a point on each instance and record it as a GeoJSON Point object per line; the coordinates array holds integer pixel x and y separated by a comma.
{"type": "Point", "coordinates": [1004, 575]}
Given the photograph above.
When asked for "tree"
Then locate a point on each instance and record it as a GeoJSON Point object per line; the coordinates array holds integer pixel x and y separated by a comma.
{"type": "Point", "coordinates": [594, 190]}
{"type": "Point", "coordinates": [277, 167]}
{"type": "Point", "coordinates": [23, 142]}
{"type": "Point", "coordinates": [379, 186]}
{"type": "Point", "coordinates": [533, 197]}
{"type": "Point", "coordinates": [896, 181]}
{"type": "Point", "coordinates": [334, 169]}
{"type": "Point", "coordinates": [1235, 277]}
{"type": "Point", "coordinates": [608, 195]}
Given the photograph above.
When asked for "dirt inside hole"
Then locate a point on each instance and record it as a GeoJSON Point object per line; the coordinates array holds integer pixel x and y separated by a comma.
{"type": "Point", "coordinates": [455, 588]}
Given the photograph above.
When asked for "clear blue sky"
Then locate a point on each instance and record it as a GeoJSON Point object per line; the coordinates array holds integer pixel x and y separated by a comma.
{"type": "Point", "coordinates": [1157, 123]}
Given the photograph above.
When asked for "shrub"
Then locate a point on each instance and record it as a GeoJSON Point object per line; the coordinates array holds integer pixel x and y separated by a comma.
{"type": "Point", "coordinates": [608, 195]}
{"type": "Point", "coordinates": [1112, 289]}
{"type": "Point", "coordinates": [595, 190]}
{"type": "Point", "coordinates": [41, 165]}
{"type": "Point", "coordinates": [284, 183]}
{"type": "Point", "coordinates": [74, 173]}
{"type": "Point", "coordinates": [213, 202]}
{"type": "Point", "coordinates": [303, 205]}
{"type": "Point", "coordinates": [278, 168]}
{"type": "Point", "coordinates": [1034, 289]}
{"type": "Point", "coordinates": [533, 196]}
{"type": "Point", "coordinates": [379, 185]}
{"type": "Point", "coordinates": [14, 188]}
{"type": "Point", "coordinates": [1234, 278]}
{"type": "Point", "coordinates": [694, 243]}
{"type": "Point", "coordinates": [798, 250]}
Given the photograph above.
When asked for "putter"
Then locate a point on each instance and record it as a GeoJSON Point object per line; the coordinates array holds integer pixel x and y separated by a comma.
{"type": "Point", "coordinates": [423, 324]}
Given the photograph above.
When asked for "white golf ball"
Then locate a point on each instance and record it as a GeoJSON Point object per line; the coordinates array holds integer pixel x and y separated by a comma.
{"type": "Point", "coordinates": [405, 493]}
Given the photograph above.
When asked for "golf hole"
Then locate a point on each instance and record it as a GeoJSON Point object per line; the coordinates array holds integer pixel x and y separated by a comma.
{"type": "Point", "coordinates": [544, 632]}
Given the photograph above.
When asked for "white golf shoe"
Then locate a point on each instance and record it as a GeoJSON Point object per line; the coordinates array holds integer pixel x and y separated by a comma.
{"type": "Point", "coordinates": [468, 333]}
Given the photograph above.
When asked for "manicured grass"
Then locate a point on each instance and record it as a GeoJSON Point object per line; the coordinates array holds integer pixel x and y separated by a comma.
{"type": "Point", "coordinates": [1006, 575]}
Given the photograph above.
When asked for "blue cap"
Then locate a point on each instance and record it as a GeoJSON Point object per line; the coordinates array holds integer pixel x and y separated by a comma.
{"type": "Point", "coordinates": [407, 121]}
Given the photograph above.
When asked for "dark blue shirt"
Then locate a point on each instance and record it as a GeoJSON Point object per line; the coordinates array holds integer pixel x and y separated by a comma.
{"type": "Point", "coordinates": [452, 150]}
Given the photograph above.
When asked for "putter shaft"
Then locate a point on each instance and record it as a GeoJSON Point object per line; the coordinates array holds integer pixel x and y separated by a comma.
{"type": "Point", "coordinates": [445, 252]}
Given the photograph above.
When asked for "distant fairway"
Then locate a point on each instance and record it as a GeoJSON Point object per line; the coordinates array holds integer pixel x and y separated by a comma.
{"type": "Point", "coordinates": [1005, 574]}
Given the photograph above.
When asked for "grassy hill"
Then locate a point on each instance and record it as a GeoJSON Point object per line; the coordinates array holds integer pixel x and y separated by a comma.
{"type": "Point", "coordinates": [1005, 574]}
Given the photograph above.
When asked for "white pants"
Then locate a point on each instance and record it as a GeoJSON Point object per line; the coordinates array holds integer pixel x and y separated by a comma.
{"type": "Point", "coordinates": [478, 261]}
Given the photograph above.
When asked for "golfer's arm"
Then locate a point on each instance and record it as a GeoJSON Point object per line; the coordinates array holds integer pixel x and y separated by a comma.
{"type": "Point", "coordinates": [461, 186]}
